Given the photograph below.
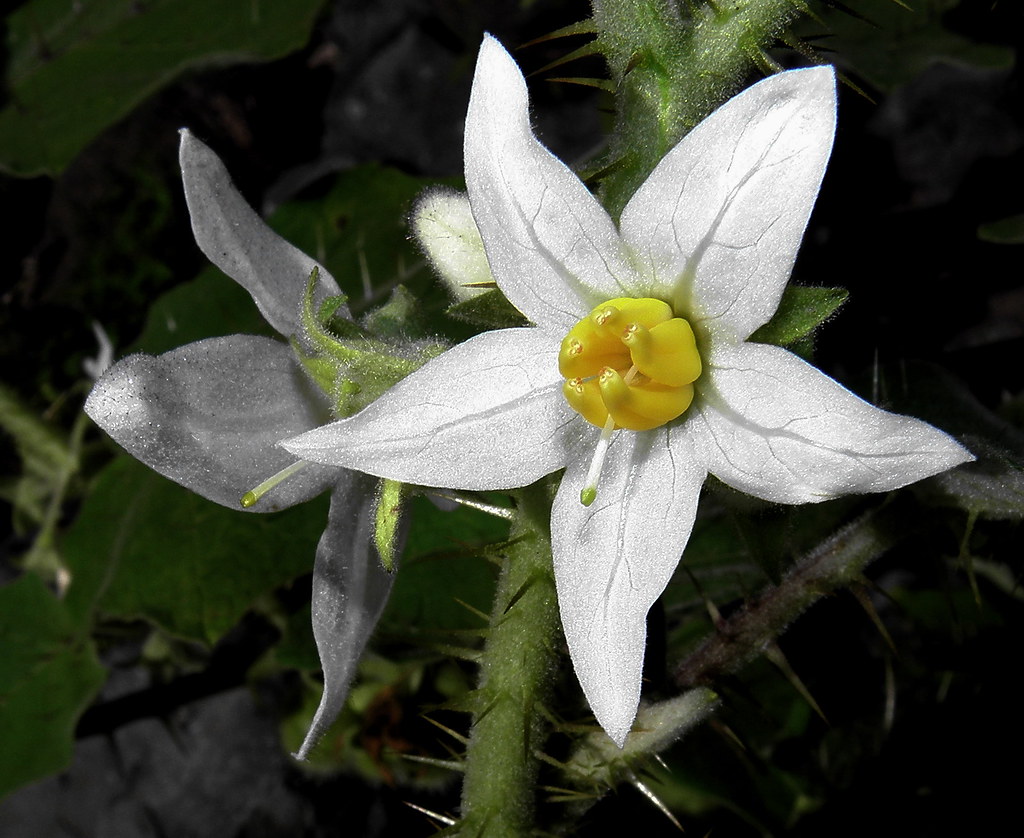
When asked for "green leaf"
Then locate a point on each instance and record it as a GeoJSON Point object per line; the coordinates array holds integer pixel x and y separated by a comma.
{"type": "Point", "coordinates": [208, 306]}
{"type": "Point", "coordinates": [490, 310]}
{"type": "Point", "coordinates": [890, 44]}
{"type": "Point", "coordinates": [45, 456]}
{"type": "Point", "coordinates": [75, 68]}
{"type": "Point", "coordinates": [1008, 230]}
{"type": "Point", "coordinates": [48, 674]}
{"type": "Point", "coordinates": [800, 312]}
{"type": "Point", "coordinates": [143, 546]}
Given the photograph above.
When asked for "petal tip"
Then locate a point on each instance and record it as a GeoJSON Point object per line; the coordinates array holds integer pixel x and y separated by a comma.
{"type": "Point", "coordinates": [498, 74]}
{"type": "Point", "coordinates": [618, 734]}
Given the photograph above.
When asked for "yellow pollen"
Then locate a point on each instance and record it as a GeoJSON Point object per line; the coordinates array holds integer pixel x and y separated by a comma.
{"type": "Point", "coordinates": [630, 363]}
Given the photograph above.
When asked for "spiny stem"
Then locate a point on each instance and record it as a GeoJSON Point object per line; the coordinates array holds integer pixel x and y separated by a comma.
{"type": "Point", "coordinates": [834, 564]}
{"type": "Point", "coordinates": [519, 658]}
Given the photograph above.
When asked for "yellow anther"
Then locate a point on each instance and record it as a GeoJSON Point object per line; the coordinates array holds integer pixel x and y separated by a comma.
{"type": "Point", "coordinates": [631, 360]}
{"type": "Point", "coordinates": [640, 407]}
{"type": "Point", "coordinates": [630, 364]}
{"type": "Point", "coordinates": [666, 353]}
{"type": "Point", "coordinates": [583, 352]}
{"type": "Point", "coordinates": [604, 316]}
{"type": "Point", "coordinates": [585, 398]}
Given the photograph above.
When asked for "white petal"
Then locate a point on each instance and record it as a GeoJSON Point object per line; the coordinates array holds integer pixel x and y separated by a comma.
{"type": "Point", "coordinates": [209, 416]}
{"type": "Point", "coordinates": [773, 426]}
{"type": "Point", "coordinates": [443, 224]}
{"type": "Point", "coordinates": [487, 414]}
{"type": "Point", "coordinates": [719, 221]}
{"type": "Point", "coordinates": [350, 590]}
{"type": "Point", "coordinates": [614, 558]}
{"type": "Point", "coordinates": [553, 250]}
{"type": "Point", "coordinates": [241, 244]}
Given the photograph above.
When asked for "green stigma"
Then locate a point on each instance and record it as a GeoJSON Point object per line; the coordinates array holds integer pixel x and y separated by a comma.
{"type": "Point", "coordinates": [250, 498]}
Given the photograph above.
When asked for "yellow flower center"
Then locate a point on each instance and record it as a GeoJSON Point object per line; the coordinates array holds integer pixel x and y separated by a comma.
{"type": "Point", "coordinates": [630, 363]}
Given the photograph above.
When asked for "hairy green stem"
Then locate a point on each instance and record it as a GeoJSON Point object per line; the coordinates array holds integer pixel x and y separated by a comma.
{"type": "Point", "coordinates": [836, 563]}
{"type": "Point", "coordinates": [519, 659]}
{"type": "Point", "coordinates": [673, 63]}
{"type": "Point", "coordinates": [43, 557]}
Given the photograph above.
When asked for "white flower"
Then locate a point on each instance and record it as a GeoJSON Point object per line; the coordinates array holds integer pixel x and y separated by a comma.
{"type": "Point", "coordinates": [713, 233]}
{"type": "Point", "coordinates": [210, 415]}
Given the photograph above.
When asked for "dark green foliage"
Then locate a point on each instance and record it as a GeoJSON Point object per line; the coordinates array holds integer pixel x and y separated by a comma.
{"type": "Point", "coordinates": [48, 674]}
{"type": "Point", "coordinates": [76, 68]}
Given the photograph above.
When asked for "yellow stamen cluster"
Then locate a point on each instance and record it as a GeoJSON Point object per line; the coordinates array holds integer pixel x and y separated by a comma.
{"type": "Point", "coordinates": [631, 361]}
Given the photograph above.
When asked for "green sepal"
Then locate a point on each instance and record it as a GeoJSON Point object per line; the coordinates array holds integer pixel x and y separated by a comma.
{"type": "Point", "coordinates": [801, 310]}
{"type": "Point", "coordinates": [329, 315]}
{"type": "Point", "coordinates": [392, 319]}
{"type": "Point", "coordinates": [354, 368]}
{"type": "Point", "coordinates": [391, 496]}
{"type": "Point", "coordinates": [491, 310]}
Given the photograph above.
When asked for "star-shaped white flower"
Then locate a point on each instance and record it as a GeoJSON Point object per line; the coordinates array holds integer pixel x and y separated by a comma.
{"type": "Point", "coordinates": [713, 233]}
{"type": "Point", "coordinates": [210, 415]}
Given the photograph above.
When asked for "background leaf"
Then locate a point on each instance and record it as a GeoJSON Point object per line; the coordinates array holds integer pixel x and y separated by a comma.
{"type": "Point", "coordinates": [443, 564]}
{"type": "Point", "coordinates": [75, 68]}
{"type": "Point", "coordinates": [143, 547]}
{"type": "Point", "coordinates": [915, 35]}
{"type": "Point", "coordinates": [48, 674]}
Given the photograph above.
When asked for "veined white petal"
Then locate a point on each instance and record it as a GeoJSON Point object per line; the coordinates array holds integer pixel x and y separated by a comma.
{"type": "Point", "coordinates": [209, 416]}
{"type": "Point", "coordinates": [487, 414]}
{"type": "Point", "coordinates": [241, 244]}
{"type": "Point", "coordinates": [615, 557]}
{"type": "Point", "coordinates": [719, 220]}
{"type": "Point", "coordinates": [773, 426]}
{"type": "Point", "coordinates": [553, 250]}
{"type": "Point", "coordinates": [350, 590]}
{"type": "Point", "coordinates": [443, 225]}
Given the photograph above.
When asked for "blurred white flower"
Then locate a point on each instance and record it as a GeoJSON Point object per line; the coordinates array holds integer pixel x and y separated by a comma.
{"type": "Point", "coordinates": [210, 415]}
{"type": "Point", "coordinates": [95, 367]}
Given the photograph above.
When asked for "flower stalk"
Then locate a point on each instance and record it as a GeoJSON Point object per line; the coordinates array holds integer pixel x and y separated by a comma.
{"type": "Point", "coordinates": [519, 659]}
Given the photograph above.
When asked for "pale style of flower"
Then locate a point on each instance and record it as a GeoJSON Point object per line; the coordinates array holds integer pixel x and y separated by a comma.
{"type": "Point", "coordinates": [708, 240]}
{"type": "Point", "coordinates": [210, 415]}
